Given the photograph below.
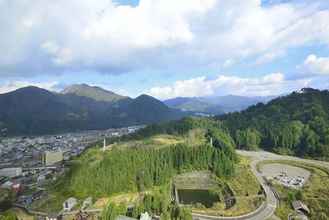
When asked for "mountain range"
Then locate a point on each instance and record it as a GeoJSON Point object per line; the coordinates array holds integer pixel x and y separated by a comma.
{"type": "Point", "coordinates": [32, 110]}
{"type": "Point", "coordinates": [215, 104]}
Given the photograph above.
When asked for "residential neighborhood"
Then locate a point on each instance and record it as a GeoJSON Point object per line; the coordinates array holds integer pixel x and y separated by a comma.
{"type": "Point", "coordinates": [28, 164]}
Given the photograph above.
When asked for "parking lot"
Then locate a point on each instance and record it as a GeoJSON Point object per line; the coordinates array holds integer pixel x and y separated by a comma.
{"type": "Point", "coordinates": [286, 175]}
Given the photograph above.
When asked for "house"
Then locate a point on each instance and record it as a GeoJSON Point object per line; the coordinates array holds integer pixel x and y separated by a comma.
{"type": "Point", "coordinates": [52, 217]}
{"type": "Point", "coordinates": [7, 185]}
{"type": "Point", "coordinates": [145, 216]}
{"type": "Point", "coordinates": [11, 172]}
{"type": "Point", "coordinates": [69, 204]}
{"type": "Point", "coordinates": [41, 178]}
{"type": "Point", "coordinates": [87, 203]}
{"type": "Point", "coordinates": [300, 207]}
{"type": "Point", "coordinates": [37, 195]}
{"type": "Point", "coordinates": [25, 200]}
{"type": "Point", "coordinates": [3, 179]}
{"type": "Point", "coordinates": [16, 187]}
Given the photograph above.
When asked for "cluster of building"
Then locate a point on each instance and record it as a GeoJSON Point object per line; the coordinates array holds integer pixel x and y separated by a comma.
{"type": "Point", "coordinates": [292, 182]}
{"type": "Point", "coordinates": [84, 210]}
{"type": "Point", "coordinates": [27, 164]}
{"type": "Point", "coordinates": [301, 211]}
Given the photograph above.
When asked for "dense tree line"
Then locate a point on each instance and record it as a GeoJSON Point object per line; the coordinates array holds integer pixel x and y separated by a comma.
{"type": "Point", "coordinates": [294, 124]}
{"type": "Point", "coordinates": [179, 127]}
{"type": "Point", "coordinates": [98, 174]}
{"type": "Point", "coordinates": [158, 204]}
{"type": "Point", "coordinates": [6, 199]}
{"type": "Point", "coordinates": [8, 215]}
{"type": "Point", "coordinates": [138, 169]}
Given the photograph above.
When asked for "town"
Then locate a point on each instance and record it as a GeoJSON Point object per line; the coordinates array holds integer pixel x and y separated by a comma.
{"type": "Point", "coordinates": [27, 164]}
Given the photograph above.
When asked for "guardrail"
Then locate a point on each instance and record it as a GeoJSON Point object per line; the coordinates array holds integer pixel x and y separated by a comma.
{"type": "Point", "coordinates": [259, 210]}
{"type": "Point", "coordinates": [240, 217]}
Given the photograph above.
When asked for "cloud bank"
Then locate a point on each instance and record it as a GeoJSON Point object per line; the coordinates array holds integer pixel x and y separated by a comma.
{"type": "Point", "coordinates": [270, 84]}
{"type": "Point", "coordinates": [314, 65]}
{"type": "Point", "coordinates": [57, 36]}
{"type": "Point", "coordinates": [11, 86]}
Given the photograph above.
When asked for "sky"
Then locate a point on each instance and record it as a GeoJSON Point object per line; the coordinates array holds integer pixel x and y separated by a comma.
{"type": "Point", "coordinates": [166, 48]}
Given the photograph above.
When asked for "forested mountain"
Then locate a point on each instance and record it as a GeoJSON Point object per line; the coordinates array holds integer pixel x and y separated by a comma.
{"type": "Point", "coordinates": [140, 168]}
{"type": "Point", "coordinates": [215, 104]}
{"type": "Point", "coordinates": [294, 124]}
{"type": "Point", "coordinates": [148, 167]}
{"type": "Point", "coordinates": [32, 110]}
{"type": "Point", "coordinates": [190, 104]}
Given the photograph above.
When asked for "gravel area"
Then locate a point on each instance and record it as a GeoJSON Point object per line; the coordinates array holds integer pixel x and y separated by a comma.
{"type": "Point", "coordinates": [274, 169]}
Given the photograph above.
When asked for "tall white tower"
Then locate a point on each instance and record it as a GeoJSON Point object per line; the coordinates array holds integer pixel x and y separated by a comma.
{"type": "Point", "coordinates": [104, 144]}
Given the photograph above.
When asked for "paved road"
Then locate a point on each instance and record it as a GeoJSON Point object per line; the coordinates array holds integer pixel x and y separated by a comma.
{"type": "Point", "coordinates": [268, 207]}
{"type": "Point", "coordinates": [264, 155]}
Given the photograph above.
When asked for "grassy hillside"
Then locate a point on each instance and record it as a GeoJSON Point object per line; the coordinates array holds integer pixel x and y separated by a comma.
{"type": "Point", "coordinates": [140, 168]}
{"type": "Point", "coordinates": [148, 159]}
{"type": "Point", "coordinates": [122, 170]}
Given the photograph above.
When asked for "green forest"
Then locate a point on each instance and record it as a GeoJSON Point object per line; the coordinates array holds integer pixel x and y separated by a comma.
{"type": "Point", "coordinates": [139, 169]}
{"type": "Point", "coordinates": [100, 173]}
{"type": "Point", "coordinates": [297, 124]}
{"type": "Point", "coordinates": [158, 203]}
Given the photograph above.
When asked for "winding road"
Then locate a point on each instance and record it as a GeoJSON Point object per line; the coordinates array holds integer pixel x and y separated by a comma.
{"type": "Point", "coordinates": [266, 210]}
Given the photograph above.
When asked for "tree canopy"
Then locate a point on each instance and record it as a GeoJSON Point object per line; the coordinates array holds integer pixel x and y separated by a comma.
{"type": "Point", "coordinates": [294, 124]}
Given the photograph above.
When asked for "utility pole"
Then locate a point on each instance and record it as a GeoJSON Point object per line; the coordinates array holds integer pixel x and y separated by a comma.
{"type": "Point", "coordinates": [211, 141]}
{"type": "Point", "coordinates": [104, 145]}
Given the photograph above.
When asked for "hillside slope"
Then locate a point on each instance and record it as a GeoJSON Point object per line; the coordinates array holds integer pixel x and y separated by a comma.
{"type": "Point", "coordinates": [293, 124]}
{"type": "Point", "coordinates": [93, 92]}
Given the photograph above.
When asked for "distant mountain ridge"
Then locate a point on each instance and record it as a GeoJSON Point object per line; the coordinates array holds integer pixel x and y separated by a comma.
{"type": "Point", "coordinates": [32, 110]}
{"type": "Point", "coordinates": [94, 92]}
{"type": "Point", "coordinates": [215, 104]}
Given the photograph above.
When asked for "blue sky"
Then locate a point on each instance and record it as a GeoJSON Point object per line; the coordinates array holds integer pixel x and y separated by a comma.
{"type": "Point", "coordinates": [128, 2]}
{"type": "Point", "coordinates": [166, 48]}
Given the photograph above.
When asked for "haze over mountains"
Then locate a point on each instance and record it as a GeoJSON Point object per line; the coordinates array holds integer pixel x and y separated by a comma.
{"type": "Point", "coordinates": [215, 104]}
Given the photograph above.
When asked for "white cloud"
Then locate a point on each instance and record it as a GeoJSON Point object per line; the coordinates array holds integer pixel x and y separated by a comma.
{"type": "Point", "coordinates": [228, 63]}
{"type": "Point", "coordinates": [104, 36]}
{"type": "Point", "coordinates": [270, 84]}
{"type": "Point", "coordinates": [314, 65]}
{"type": "Point", "coordinates": [13, 85]}
{"type": "Point", "coordinates": [269, 56]}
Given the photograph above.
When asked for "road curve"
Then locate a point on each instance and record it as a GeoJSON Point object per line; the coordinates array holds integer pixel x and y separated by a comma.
{"type": "Point", "coordinates": [267, 209]}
